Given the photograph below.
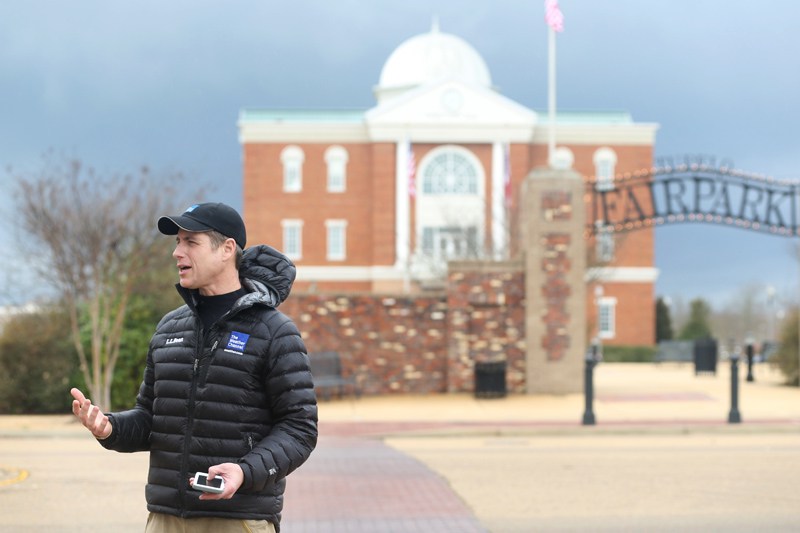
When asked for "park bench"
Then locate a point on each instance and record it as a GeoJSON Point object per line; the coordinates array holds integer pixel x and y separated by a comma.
{"type": "Point", "coordinates": [326, 369]}
{"type": "Point", "coordinates": [674, 350]}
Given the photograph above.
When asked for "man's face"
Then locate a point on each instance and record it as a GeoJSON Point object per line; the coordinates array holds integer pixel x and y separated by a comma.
{"type": "Point", "coordinates": [199, 265]}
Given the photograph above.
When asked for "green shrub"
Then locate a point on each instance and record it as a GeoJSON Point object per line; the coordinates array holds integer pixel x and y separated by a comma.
{"type": "Point", "coordinates": [786, 356]}
{"type": "Point", "coordinates": [629, 354]}
{"type": "Point", "coordinates": [38, 363]}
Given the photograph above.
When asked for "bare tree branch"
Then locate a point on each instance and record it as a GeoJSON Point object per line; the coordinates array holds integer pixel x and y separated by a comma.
{"type": "Point", "coordinates": [98, 238]}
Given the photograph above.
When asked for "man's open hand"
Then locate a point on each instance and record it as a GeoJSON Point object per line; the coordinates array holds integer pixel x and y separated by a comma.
{"type": "Point", "coordinates": [90, 415]}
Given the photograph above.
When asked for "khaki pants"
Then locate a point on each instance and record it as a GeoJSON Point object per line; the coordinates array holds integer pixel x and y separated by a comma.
{"type": "Point", "coordinates": [164, 523]}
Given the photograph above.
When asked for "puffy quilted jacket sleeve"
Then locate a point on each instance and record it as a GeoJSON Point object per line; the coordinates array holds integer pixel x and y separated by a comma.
{"type": "Point", "coordinates": [294, 411]}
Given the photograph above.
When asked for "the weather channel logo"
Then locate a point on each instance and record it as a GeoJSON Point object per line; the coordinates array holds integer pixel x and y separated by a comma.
{"type": "Point", "coordinates": [237, 342]}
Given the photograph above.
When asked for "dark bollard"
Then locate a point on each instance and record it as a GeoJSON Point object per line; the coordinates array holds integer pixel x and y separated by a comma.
{"type": "Point", "coordinates": [592, 357]}
{"type": "Point", "coordinates": [749, 352]}
{"type": "Point", "coordinates": [734, 417]}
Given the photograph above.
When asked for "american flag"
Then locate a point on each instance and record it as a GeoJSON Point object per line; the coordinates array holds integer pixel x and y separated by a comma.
{"type": "Point", "coordinates": [412, 172]}
{"type": "Point", "coordinates": [553, 15]}
{"type": "Point", "coordinates": [507, 176]}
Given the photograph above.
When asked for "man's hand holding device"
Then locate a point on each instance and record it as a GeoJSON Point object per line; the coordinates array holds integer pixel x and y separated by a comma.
{"type": "Point", "coordinates": [226, 478]}
{"type": "Point", "coordinates": [201, 482]}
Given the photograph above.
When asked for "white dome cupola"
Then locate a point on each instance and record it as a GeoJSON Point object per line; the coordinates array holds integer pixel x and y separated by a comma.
{"type": "Point", "coordinates": [429, 58]}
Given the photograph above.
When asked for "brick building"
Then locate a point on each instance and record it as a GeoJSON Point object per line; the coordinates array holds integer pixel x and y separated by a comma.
{"type": "Point", "coordinates": [379, 200]}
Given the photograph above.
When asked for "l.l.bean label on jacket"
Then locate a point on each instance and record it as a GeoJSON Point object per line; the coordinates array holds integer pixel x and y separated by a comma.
{"type": "Point", "coordinates": [237, 342]}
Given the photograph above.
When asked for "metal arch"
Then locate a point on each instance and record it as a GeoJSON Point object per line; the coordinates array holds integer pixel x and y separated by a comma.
{"type": "Point", "coordinates": [693, 193]}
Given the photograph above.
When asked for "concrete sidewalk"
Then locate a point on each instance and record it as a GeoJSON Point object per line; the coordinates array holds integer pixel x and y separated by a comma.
{"type": "Point", "coordinates": [625, 395]}
{"type": "Point", "coordinates": [662, 457]}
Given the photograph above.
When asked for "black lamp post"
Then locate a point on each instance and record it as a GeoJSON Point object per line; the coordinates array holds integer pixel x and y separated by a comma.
{"type": "Point", "coordinates": [734, 417]}
{"type": "Point", "coordinates": [592, 357]}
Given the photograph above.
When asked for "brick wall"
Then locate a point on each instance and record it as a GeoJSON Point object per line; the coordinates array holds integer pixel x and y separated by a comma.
{"type": "Point", "coordinates": [486, 322]}
{"type": "Point", "coordinates": [422, 343]}
{"type": "Point", "coordinates": [368, 203]}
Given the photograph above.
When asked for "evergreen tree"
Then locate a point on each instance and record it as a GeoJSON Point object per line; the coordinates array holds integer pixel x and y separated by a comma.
{"type": "Point", "coordinates": [664, 330]}
{"type": "Point", "coordinates": [699, 324]}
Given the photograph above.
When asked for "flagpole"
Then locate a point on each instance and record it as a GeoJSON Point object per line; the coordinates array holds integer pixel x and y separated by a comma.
{"type": "Point", "coordinates": [551, 94]}
{"type": "Point", "coordinates": [555, 22]}
{"type": "Point", "coordinates": [411, 185]}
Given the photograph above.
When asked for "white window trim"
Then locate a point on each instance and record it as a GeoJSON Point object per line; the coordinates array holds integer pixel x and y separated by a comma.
{"type": "Point", "coordinates": [610, 303]}
{"type": "Point", "coordinates": [293, 223]}
{"type": "Point", "coordinates": [441, 210]}
{"type": "Point", "coordinates": [332, 225]}
{"type": "Point", "coordinates": [292, 157]}
{"type": "Point", "coordinates": [424, 166]}
{"type": "Point", "coordinates": [608, 156]}
{"type": "Point", "coordinates": [336, 155]}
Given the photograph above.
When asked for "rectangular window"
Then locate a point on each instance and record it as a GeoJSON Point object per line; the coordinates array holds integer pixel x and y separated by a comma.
{"type": "Point", "coordinates": [293, 238]}
{"type": "Point", "coordinates": [336, 176]}
{"type": "Point", "coordinates": [604, 245]}
{"type": "Point", "coordinates": [337, 239]}
{"type": "Point", "coordinates": [606, 317]}
{"type": "Point", "coordinates": [292, 179]}
{"type": "Point", "coordinates": [605, 175]}
{"type": "Point", "coordinates": [427, 240]}
{"type": "Point", "coordinates": [450, 242]}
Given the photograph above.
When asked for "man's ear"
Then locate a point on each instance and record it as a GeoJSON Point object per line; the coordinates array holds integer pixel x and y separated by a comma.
{"type": "Point", "coordinates": [229, 248]}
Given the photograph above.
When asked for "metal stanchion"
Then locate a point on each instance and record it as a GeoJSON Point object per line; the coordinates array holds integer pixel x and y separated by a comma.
{"type": "Point", "coordinates": [734, 417]}
{"type": "Point", "coordinates": [749, 353]}
{"type": "Point", "coordinates": [592, 358]}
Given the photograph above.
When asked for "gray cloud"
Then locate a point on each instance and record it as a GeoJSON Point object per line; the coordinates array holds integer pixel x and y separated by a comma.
{"type": "Point", "coordinates": [122, 84]}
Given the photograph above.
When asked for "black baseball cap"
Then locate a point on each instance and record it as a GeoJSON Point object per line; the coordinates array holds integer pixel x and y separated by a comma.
{"type": "Point", "coordinates": [206, 217]}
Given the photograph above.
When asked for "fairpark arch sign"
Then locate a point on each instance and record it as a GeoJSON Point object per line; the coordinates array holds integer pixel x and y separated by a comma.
{"type": "Point", "coordinates": [559, 207]}
{"type": "Point", "coordinates": [694, 193]}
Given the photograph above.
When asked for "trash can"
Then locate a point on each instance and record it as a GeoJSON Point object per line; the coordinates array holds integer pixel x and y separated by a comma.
{"type": "Point", "coordinates": [705, 356]}
{"type": "Point", "coordinates": [490, 379]}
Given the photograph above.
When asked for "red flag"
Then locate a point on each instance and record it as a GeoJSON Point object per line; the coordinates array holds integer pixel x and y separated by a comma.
{"type": "Point", "coordinates": [412, 172]}
{"type": "Point", "coordinates": [553, 15]}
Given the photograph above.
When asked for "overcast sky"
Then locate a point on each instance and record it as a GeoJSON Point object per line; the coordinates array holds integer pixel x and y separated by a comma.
{"type": "Point", "coordinates": [120, 84]}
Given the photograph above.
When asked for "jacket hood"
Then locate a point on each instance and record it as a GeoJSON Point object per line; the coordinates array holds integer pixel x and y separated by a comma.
{"type": "Point", "coordinates": [266, 270]}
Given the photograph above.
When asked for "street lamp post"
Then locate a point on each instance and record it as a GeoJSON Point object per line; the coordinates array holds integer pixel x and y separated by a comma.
{"type": "Point", "coordinates": [734, 417]}
{"type": "Point", "coordinates": [593, 356]}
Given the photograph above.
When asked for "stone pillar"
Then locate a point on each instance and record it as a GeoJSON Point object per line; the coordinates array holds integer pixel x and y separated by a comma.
{"type": "Point", "coordinates": [553, 220]}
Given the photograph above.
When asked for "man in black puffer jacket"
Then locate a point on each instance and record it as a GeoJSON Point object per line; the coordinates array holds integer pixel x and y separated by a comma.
{"type": "Point", "coordinates": [227, 387]}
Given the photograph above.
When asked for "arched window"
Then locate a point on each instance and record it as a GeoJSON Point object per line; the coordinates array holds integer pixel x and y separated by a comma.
{"type": "Point", "coordinates": [605, 166]}
{"type": "Point", "coordinates": [292, 158]}
{"type": "Point", "coordinates": [450, 172]}
{"type": "Point", "coordinates": [336, 159]}
{"type": "Point", "coordinates": [450, 205]}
